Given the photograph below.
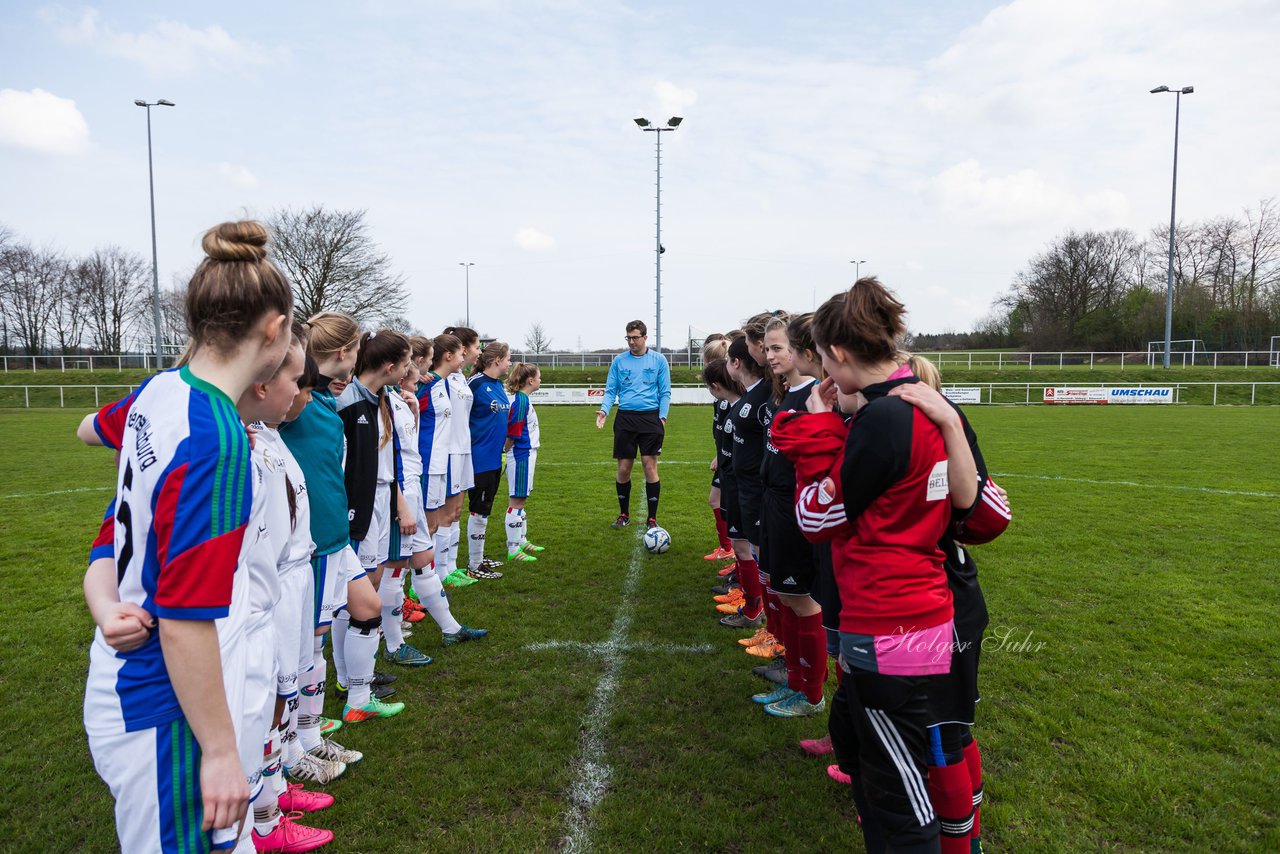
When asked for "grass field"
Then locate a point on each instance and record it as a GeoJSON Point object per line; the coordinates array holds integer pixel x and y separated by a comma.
{"type": "Point", "coordinates": [1129, 679]}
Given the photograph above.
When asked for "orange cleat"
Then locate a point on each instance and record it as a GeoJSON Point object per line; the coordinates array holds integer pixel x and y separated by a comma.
{"type": "Point", "coordinates": [728, 570]}
{"type": "Point", "coordinates": [762, 635]}
{"type": "Point", "coordinates": [719, 554]}
{"type": "Point", "coordinates": [772, 649]}
{"type": "Point", "coordinates": [734, 595]}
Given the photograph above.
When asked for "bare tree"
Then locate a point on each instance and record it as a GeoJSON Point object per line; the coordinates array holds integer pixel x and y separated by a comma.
{"type": "Point", "coordinates": [68, 309]}
{"type": "Point", "coordinates": [537, 340]}
{"type": "Point", "coordinates": [113, 284]}
{"type": "Point", "coordinates": [401, 324]}
{"type": "Point", "coordinates": [334, 265]}
{"type": "Point", "coordinates": [29, 280]}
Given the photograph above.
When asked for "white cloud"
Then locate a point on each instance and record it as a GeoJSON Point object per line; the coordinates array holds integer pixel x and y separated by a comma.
{"type": "Point", "coordinates": [1024, 198]}
{"type": "Point", "coordinates": [672, 99]}
{"type": "Point", "coordinates": [41, 121]}
{"type": "Point", "coordinates": [168, 48]}
{"type": "Point", "coordinates": [238, 175]}
{"type": "Point", "coordinates": [532, 240]}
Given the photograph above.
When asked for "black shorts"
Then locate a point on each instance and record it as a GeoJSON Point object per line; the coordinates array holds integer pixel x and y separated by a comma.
{"type": "Point", "coordinates": [480, 497]}
{"type": "Point", "coordinates": [825, 592]}
{"type": "Point", "coordinates": [634, 430]}
{"type": "Point", "coordinates": [715, 480]}
{"type": "Point", "coordinates": [953, 697]}
{"type": "Point", "coordinates": [793, 567]}
{"type": "Point", "coordinates": [729, 506]}
{"type": "Point", "coordinates": [750, 501]}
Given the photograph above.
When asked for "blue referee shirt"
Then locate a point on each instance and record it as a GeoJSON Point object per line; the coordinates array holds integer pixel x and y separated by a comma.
{"type": "Point", "coordinates": [638, 383]}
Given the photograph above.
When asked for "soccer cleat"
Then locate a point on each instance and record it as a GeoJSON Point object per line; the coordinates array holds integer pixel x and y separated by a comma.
{"type": "Point", "coordinates": [490, 563]}
{"type": "Point", "coordinates": [764, 698]}
{"type": "Point", "coordinates": [530, 548]}
{"type": "Point", "coordinates": [797, 706]}
{"type": "Point", "coordinates": [483, 574]}
{"type": "Point", "coordinates": [775, 671]}
{"type": "Point", "coordinates": [458, 578]}
{"type": "Point", "coordinates": [411, 605]}
{"type": "Point", "coordinates": [817, 746]}
{"type": "Point", "coordinates": [719, 553]}
{"type": "Point", "coordinates": [329, 725]}
{"type": "Point", "coordinates": [298, 799]}
{"type": "Point", "coordinates": [742, 621]}
{"type": "Point", "coordinates": [834, 772]}
{"type": "Point", "coordinates": [413, 616]}
{"type": "Point", "coordinates": [380, 678]}
{"type": "Point", "coordinates": [721, 589]}
{"type": "Point", "coordinates": [729, 607]}
{"type": "Point", "coordinates": [650, 523]}
{"type": "Point", "coordinates": [382, 692]}
{"type": "Point", "coordinates": [464, 634]}
{"type": "Point", "coordinates": [727, 570]}
{"type": "Point", "coordinates": [520, 557]}
{"type": "Point", "coordinates": [370, 710]}
{"type": "Point", "coordinates": [314, 769]}
{"type": "Point", "coordinates": [412, 597]}
{"type": "Point", "coordinates": [735, 594]}
{"type": "Point", "coordinates": [771, 649]}
{"type": "Point", "coordinates": [334, 752]}
{"type": "Point", "coordinates": [406, 656]}
{"type": "Point", "coordinates": [339, 690]}
{"type": "Point", "coordinates": [290, 837]}
{"type": "Point", "coordinates": [622, 521]}
{"type": "Point", "coordinates": [405, 630]}
{"type": "Point", "coordinates": [762, 635]}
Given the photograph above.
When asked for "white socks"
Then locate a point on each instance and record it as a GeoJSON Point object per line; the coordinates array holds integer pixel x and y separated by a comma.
{"type": "Point", "coordinates": [290, 744]}
{"type": "Point", "coordinates": [455, 536]}
{"type": "Point", "coordinates": [266, 804]}
{"type": "Point", "coordinates": [391, 592]}
{"type": "Point", "coordinates": [441, 538]}
{"type": "Point", "coordinates": [515, 529]}
{"type": "Point", "coordinates": [476, 528]}
{"type": "Point", "coordinates": [362, 647]}
{"type": "Point", "coordinates": [311, 700]}
{"type": "Point", "coordinates": [338, 633]}
{"type": "Point", "coordinates": [431, 594]}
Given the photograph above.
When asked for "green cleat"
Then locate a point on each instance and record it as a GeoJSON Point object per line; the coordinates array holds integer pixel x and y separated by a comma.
{"type": "Point", "coordinates": [519, 556]}
{"type": "Point", "coordinates": [796, 706]}
{"type": "Point", "coordinates": [370, 710]}
{"type": "Point", "coordinates": [778, 694]}
{"type": "Point", "coordinates": [464, 634]}
{"type": "Point", "coordinates": [406, 656]}
{"type": "Point", "coordinates": [530, 548]}
{"type": "Point", "coordinates": [458, 578]}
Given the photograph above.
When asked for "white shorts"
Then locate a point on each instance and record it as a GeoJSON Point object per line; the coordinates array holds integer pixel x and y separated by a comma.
{"type": "Point", "coordinates": [437, 491]}
{"type": "Point", "coordinates": [258, 705]}
{"type": "Point", "coordinates": [291, 619]}
{"type": "Point", "coordinates": [421, 539]}
{"type": "Point", "coordinates": [461, 475]}
{"type": "Point", "coordinates": [520, 474]}
{"type": "Point", "coordinates": [373, 549]}
{"type": "Point", "coordinates": [330, 575]}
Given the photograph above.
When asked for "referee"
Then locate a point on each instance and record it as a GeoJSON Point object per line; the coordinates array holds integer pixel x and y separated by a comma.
{"type": "Point", "coordinates": [640, 383]}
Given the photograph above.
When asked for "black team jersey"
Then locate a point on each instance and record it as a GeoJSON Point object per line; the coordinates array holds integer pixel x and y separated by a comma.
{"type": "Point", "coordinates": [724, 444]}
{"type": "Point", "coordinates": [776, 471]}
{"type": "Point", "coordinates": [746, 420]}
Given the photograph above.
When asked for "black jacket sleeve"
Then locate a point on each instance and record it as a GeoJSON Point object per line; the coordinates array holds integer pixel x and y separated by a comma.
{"type": "Point", "coordinates": [958, 515]}
{"type": "Point", "coordinates": [877, 452]}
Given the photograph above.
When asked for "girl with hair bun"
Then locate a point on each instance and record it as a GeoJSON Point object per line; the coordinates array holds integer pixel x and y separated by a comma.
{"type": "Point", "coordinates": [183, 504]}
{"type": "Point", "coordinates": [879, 491]}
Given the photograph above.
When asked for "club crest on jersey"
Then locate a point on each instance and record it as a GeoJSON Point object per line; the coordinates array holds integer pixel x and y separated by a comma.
{"type": "Point", "coordinates": [745, 410]}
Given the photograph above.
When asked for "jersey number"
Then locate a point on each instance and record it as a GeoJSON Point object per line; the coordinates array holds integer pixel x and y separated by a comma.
{"type": "Point", "coordinates": [124, 516]}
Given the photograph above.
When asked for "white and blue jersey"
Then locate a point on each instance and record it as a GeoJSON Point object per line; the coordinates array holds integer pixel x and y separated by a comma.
{"type": "Point", "coordinates": [435, 425]}
{"type": "Point", "coordinates": [638, 384]}
{"type": "Point", "coordinates": [522, 426]}
{"type": "Point", "coordinates": [488, 422]}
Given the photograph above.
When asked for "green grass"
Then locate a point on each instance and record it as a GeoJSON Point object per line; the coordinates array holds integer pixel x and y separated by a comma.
{"type": "Point", "coordinates": [1142, 716]}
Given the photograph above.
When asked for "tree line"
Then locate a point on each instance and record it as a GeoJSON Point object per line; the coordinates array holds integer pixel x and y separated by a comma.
{"type": "Point", "coordinates": [102, 302]}
{"type": "Point", "coordinates": [1105, 290]}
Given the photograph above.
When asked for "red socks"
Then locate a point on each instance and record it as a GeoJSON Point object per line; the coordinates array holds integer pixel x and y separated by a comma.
{"type": "Point", "coordinates": [782, 625]}
{"type": "Point", "coordinates": [810, 654]}
{"type": "Point", "coordinates": [952, 798]}
{"type": "Point", "coordinates": [973, 762]}
{"type": "Point", "coordinates": [722, 529]}
{"type": "Point", "coordinates": [752, 589]}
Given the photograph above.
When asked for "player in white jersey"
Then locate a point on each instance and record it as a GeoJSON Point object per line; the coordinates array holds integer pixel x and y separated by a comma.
{"type": "Point", "coordinates": [435, 441]}
{"type": "Point", "coordinates": [461, 472]}
{"type": "Point", "coordinates": [161, 719]}
{"type": "Point", "coordinates": [523, 439]}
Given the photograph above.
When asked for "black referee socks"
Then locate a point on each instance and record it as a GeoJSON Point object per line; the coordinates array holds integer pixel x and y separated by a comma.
{"type": "Point", "coordinates": [651, 492]}
{"type": "Point", "coordinates": [624, 498]}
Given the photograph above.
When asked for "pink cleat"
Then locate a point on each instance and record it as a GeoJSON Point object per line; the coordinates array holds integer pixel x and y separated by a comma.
{"type": "Point", "coordinates": [834, 772]}
{"type": "Point", "coordinates": [298, 799]}
{"type": "Point", "coordinates": [291, 837]}
{"type": "Point", "coordinates": [817, 746]}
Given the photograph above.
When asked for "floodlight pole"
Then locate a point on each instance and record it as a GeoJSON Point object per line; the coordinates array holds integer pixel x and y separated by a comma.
{"type": "Point", "coordinates": [155, 268]}
{"type": "Point", "coordinates": [467, 265]}
{"type": "Point", "coordinates": [647, 126]}
{"type": "Point", "coordinates": [1173, 212]}
{"type": "Point", "coordinates": [857, 269]}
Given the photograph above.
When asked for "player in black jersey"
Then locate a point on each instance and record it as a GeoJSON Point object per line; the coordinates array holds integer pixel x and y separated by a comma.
{"type": "Point", "coordinates": [725, 389]}
{"type": "Point", "coordinates": [791, 560]}
{"type": "Point", "coordinates": [715, 348]}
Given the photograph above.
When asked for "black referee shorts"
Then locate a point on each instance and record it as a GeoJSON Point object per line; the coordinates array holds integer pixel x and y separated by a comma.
{"type": "Point", "coordinates": [637, 431]}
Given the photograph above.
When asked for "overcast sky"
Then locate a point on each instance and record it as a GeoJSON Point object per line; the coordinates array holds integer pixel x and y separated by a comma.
{"type": "Point", "coordinates": [942, 142]}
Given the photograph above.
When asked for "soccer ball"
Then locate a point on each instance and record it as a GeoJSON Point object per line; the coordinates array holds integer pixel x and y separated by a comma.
{"type": "Point", "coordinates": [657, 540]}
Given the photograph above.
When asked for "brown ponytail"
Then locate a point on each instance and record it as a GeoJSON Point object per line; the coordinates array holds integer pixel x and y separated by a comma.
{"type": "Point", "coordinates": [866, 322]}
{"type": "Point", "coordinates": [716, 372]}
{"type": "Point", "coordinates": [493, 352]}
{"type": "Point", "coordinates": [442, 346]}
{"type": "Point", "coordinates": [521, 373]}
{"type": "Point", "coordinates": [380, 348]}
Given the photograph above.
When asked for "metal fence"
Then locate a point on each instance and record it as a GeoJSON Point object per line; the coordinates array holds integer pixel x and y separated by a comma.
{"type": "Point", "coordinates": [1008, 394]}
{"type": "Point", "coordinates": [969, 360]}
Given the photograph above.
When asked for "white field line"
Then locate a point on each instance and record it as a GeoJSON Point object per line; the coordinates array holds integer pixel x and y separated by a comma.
{"type": "Point", "coordinates": [604, 648]}
{"type": "Point", "coordinates": [613, 463]}
{"type": "Point", "coordinates": [1171, 486]}
{"type": "Point", "coordinates": [57, 492]}
{"type": "Point", "coordinates": [591, 774]}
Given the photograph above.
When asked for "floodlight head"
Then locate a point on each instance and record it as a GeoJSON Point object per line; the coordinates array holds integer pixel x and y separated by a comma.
{"type": "Point", "coordinates": [1187, 90]}
{"type": "Point", "coordinates": [674, 121]}
{"type": "Point", "coordinates": [1159, 89]}
{"type": "Point", "coordinates": [164, 103]}
{"type": "Point", "coordinates": [642, 122]}
{"type": "Point", "coordinates": [139, 102]}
